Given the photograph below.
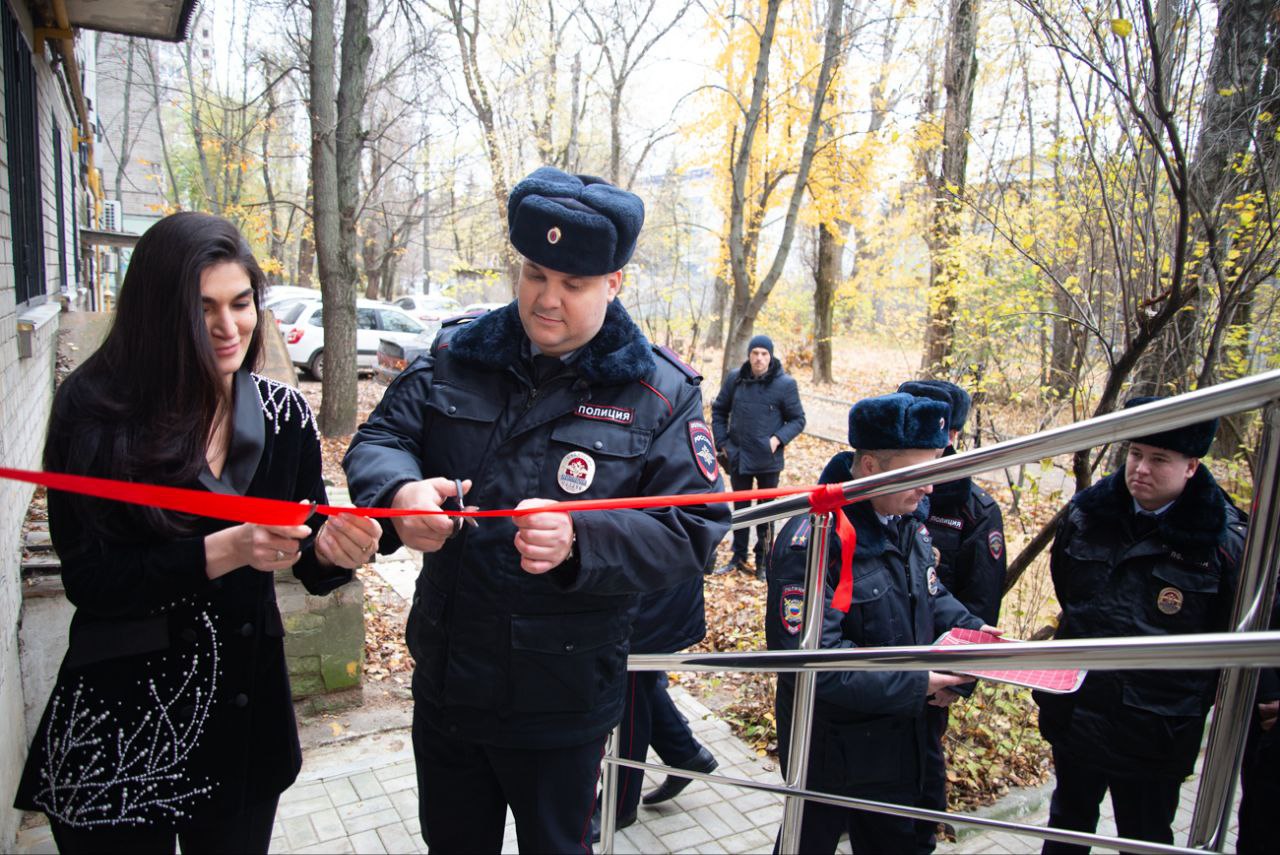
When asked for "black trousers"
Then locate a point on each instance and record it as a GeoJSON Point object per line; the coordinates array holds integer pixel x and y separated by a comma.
{"type": "Point", "coordinates": [464, 789]}
{"type": "Point", "coordinates": [248, 831]}
{"type": "Point", "coordinates": [869, 833]}
{"type": "Point", "coordinates": [933, 790]}
{"type": "Point", "coordinates": [1144, 807]}
{"type": "Point", "coordinates": [649, 718]}
{"type": "Point", "coordinates": [742, 536]}
{"type": "Point", "coordinates": [1259, 791]}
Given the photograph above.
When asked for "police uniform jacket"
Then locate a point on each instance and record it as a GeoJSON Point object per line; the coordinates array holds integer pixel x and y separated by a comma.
{"type": "Point", "coordinates": [505, 657]}
{"type": "Point", "coordinates": [968, 530]}
{"type": "Point", "coordinates": [172, 704]}
{"type": "Point", "coordinates": [751, 409]}
{"type": "Point", "coordinates": [669, 620]}
{"type": "Point", "coordinates": [1115, 576]}
{"type": "Point", "coordinates": [869, 726]}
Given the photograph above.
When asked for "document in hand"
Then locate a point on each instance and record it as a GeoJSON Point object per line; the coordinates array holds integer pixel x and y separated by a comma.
{"type": "Point", "coordinates": [1055, 681]}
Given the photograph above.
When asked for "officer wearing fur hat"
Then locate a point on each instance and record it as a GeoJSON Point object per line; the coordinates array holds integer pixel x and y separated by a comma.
{"type": "Point", "coordinates": [869, 727]}
{"type": "Point", "coordinates": [968, 531]}
{"type": "Point", "coordinates": [755, 415]}
{"type": "Point", "coordinates": [1152, 549]}
{"type": "Point", "coordinates": [519, 627]}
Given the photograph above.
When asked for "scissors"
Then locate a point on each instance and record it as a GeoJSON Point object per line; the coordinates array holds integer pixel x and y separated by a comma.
{"type": "Point", "coordinates": [458, 522]}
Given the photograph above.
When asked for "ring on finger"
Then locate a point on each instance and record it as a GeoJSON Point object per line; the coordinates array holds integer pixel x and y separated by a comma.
{"type": "Point", "coordinates": [279, 555]}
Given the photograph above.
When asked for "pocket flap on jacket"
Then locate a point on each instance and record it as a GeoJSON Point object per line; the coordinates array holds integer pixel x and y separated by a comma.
{"type": "Point", "coordinates": [103, 640]}
{"type": "Point", "coordinates": [566, 633]}
{"type": "Point", "coordinates": [600, 438]}
{"type": "Point", "coordinates": [458, 403]}
{"type": "Point", "coordinates": [871, 587]}
{"type": "Point", "coordinates": [1200, 581]}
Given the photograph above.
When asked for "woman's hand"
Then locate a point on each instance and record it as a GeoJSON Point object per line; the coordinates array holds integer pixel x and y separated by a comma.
{"type": "Point", "coordinates": [348, 540]}
{"type": "Point", "coordinates": [267, 548]}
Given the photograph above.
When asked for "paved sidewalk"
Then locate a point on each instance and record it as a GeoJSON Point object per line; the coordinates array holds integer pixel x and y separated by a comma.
{"type": "Point", "coordinates": [362, 796]}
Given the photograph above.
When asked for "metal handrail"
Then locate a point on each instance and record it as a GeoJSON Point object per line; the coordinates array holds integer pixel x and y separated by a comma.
{"type": "Point", "coordinates": [1255, 593]}
{"type": "Point", "coordinates": [1245, 394]}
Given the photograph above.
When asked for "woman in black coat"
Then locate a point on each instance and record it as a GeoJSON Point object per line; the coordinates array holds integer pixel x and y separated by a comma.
{"type": "Point", "coordinates": [171, 717]}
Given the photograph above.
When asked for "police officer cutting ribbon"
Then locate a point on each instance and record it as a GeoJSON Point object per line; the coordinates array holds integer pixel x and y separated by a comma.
{"type": "Point", "coordinates": [519, 627]}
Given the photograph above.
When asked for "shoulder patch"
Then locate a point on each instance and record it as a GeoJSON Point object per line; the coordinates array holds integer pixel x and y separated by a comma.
{"type": "Point", "coordinates": [704, 450]}
{"type": "Point", "coordinates": [690, 374]}
{"type": "Point", "coordinates": [791, 609]}
{"type": "Point", "coordinates": [995, 543]}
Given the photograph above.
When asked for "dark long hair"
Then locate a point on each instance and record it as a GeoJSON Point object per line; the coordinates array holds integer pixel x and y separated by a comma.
{"type": "Point", "coordinates": [142, 407]}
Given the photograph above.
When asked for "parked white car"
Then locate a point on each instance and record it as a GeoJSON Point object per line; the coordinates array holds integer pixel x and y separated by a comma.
{"type": "Point", "coordinates": [429, 307]}
{"type": "Point", "coordinates": [303, 328]}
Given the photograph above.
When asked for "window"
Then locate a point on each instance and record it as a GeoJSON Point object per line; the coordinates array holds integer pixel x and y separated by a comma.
{"type": "Point", "coordinates": [405, 303]}
{"type": "Point", "coordinates": [25, 213]}
{"type": "Point", "coordinates": [365, 319]}
{"type": "Point", "coordinates": [290, 314]}
{"type": "Point", "coordinates": [396, 322]}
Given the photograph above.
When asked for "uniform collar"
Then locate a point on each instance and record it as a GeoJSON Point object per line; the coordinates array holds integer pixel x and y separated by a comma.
{"type": "Point", "coordinates": [619, 353]}
{"type": "Point", "coordinates": [1196, 519]}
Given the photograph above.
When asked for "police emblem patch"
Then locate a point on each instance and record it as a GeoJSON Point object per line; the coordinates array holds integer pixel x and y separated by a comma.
{"type": "Point", "coordinates": [1169, 601]}
{"type": "Point", "coordinates": [933, 582]}
{"type": "Point", "coordinates": [791, 609]}
{"type": "Point", "coordinates": [577, 471]}
{"type": "Point", "coordinates": [995, 543]}
{"type": "Point", "coordinates": [553, 235]}
{"type": "Point", "coordinates": [704, 449]}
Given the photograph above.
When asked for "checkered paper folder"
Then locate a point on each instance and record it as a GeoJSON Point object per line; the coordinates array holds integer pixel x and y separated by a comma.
{"type": "Point", "coordinates": [1057, 682]}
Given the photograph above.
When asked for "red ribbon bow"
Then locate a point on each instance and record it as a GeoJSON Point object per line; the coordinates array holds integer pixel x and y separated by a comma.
{"type": "Point", "coordinates": [829, 499]}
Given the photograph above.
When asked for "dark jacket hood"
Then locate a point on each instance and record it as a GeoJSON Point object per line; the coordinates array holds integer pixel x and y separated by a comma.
{"type": "Point", "coordinates": [619, 353]}
{"type": "Point", "coordinates": [1198, 517]}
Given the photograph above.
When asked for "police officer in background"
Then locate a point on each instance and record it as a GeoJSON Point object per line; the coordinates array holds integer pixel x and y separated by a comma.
{"type": "Point", "coordinates": [519, 626]}
{"type": "Point", "coordinates": [755, 415]}
{"type": "Point", "coordinates": [1152, 549]}
{"type": "Point", "coordinates": [869, 727]}
{"type": "Point", "coordinates": [968, 532]}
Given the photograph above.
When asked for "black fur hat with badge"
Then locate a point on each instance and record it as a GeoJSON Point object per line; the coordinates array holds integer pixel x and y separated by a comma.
{"type": "Point", "coordinates": [942, 390]}
{"type": "Point", "coordinates": [575, 224]}
{"type": "Point", "coordinates": [898, 421]}
{"type": "Point", "coordinates": [1193, 440]}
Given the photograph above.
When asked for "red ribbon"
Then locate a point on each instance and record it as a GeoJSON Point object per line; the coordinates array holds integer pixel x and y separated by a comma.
{"type": "Point", "coordinates": [829, 499]}
{"type": "Point", "coordinates": [248, 509]}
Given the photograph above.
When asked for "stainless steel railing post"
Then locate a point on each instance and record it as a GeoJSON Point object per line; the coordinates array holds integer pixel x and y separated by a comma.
{"type": "Point", "coordinates": [815, 600]}
{"type": "Point", "coordinates": [1254, 595]}
{"type": "Point", "coordinates": [609, 791]}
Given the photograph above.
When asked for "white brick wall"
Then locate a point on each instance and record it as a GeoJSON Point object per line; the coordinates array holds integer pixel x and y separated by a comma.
{"type": "Point", "coordinates": [26, 390]}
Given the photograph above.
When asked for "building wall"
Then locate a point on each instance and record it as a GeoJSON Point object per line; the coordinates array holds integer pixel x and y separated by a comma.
{"type": "Point", "coordinates": [26, 391]}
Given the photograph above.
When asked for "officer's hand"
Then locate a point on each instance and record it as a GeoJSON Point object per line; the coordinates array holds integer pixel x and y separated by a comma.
{"type": "Point", "coordinates": [991, 630]}
{"type": "Point", "coordinates": [425, 533]}
{"type": "Point", "coordinates": [348, 540]}
{"type": "Point", "coordinates": [1267, 714]}
{"type": "Point", "coordinates": [773, 444]}
{"type": "Point", "coordinates": [543, 540]}
{"type": "Point", "coordinates": [938, 682]}
{"type": "Point", "coordinates": [943, 698]}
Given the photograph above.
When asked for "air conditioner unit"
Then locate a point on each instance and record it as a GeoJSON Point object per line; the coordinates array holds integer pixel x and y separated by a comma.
{"type": "Point", "coordinates": [112, 216]}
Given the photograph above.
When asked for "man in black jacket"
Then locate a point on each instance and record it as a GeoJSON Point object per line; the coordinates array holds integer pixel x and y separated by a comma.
{"type": "Point", "coordinates": [666, 621]}
{"type": "Point", "coordinates": [755, 415]}
{"type": "Point", "coordinates": [1152, 549]}
{"type": "Point", "coordinates": [968, 532]}
{"type": "Point", "coordinates": [519, 626]}
{"type": "Point", "coordinates": [869, 729]}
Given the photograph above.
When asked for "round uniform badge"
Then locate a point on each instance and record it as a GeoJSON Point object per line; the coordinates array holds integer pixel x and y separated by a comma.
{"type": "Point", "coordinates": [1169, 601]}
{"type": "Point", "coordinates": [553, 235]}
{"type": "Point", "coordinates": [577, 471]}
{"type": "Point", "coordinates": [933, 582]}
